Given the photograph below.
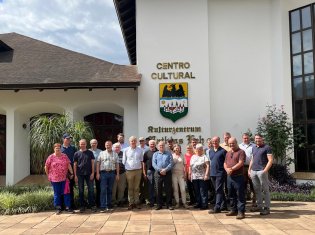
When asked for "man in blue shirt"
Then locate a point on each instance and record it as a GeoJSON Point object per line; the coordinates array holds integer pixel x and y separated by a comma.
{"type": "Point", "coordinates": [69, 150]}
{"type": "Point", "coordinates": [217, 174]}
{"type": "Point", "coordinates": [162, 163]}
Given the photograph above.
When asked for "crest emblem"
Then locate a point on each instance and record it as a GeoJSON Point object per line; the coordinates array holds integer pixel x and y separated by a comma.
{"type": "Point", "coordinates": [174, 100]}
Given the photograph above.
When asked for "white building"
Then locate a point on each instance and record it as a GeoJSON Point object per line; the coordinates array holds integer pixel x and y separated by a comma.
{"type": "Point", "coordinates": [232, 58]}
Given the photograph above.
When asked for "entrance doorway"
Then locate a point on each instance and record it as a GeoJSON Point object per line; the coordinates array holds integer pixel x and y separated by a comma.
{"type": "Point", "coordinates": [106, 126]}
{"type": "Point", "coordinates": [2, 144]}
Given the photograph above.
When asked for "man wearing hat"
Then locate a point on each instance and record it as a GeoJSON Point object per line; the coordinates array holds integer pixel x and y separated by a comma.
{"type": "Point", "coordinates": [69, 150]}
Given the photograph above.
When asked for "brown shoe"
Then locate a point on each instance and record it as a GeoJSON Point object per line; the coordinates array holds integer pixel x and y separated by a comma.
{"type": "Point", "coordinates": [231, 213]}
{"type": "Point", "coordinates": [240, 215]}
{"type": "Point", "coordinates": [130, 207]}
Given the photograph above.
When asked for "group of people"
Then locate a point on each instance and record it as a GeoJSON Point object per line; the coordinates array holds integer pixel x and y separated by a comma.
{"type": "Point", "coordinates": [222, 170]}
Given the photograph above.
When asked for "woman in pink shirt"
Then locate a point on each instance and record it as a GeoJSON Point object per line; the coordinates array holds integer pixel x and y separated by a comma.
{"type": "Point", "coordinates": [188, 155]}
{"type": "Point", "coordinates": [56, 167]}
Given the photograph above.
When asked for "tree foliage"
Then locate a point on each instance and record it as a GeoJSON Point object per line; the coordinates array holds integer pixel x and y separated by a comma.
{"type": "Point", "coordinates": [279, 133]}
{"type": "Point", "coordinates": [46, 130]}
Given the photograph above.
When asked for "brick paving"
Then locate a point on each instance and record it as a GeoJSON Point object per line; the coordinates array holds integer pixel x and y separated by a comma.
{"type": "Point", "coordinates": [285, 218]}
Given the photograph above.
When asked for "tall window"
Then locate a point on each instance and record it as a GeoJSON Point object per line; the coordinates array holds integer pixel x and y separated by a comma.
{"type": "Point", "coordinates": [303, 85]}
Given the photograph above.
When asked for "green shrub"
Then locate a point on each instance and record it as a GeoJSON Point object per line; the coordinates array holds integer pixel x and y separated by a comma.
{"type": "Point", "coordinates": [276, 196]}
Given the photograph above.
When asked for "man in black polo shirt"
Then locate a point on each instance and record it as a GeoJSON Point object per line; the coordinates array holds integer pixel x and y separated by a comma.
{"type": "Point", "coordinates": [259, 166]}
{"type": "Point", "coordinates": [148, 170]}
{"type": "Point", "coordinates": [84, 171]}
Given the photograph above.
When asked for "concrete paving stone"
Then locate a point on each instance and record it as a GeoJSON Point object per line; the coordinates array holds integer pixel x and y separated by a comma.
{"type": "Point", "coordinates": [181, 211]}
{"type": "Point", "coordinates": [231, 221]}
{"type": "Point", "coordinates": [36, 219]}
{"type": "Point", "coordinates": [110, 233]}
{"type": "Point", "coordinates": [211, 227]}
{"type": "Point", "coordinates": [144, 233]}
{"type": "Point", "coordinates": [58, 230]}
{"type": "Point", "coordinates": [235, 227]}
{"type": "Point", "coordinates": [32, 231]}
{"type": "Point", "coordinates": [244, 232]}
{"type": "Point", "coordinates": [13, 231]}
{"type": "Point", "coordinates": [263, 226]}
{"type": "Point", "coordinates": [309, 226]}
{"type": "Point", "coordinates": [137, 228]}
{"type": "Point", "coordinates": [138, 222]}
{"type": "Point", "coordinates": [140, 217]}
{"type": "Point", "coordinates": [98, 218]}
{"type": "Point", "coordinates": [299, 232]}
{"type": "Point", "coordinates": [6, 225]}
{"type": "Point", "coordinates": [164, 233]}
{"type": "Point", "coordinates": [112, 230]}
{"type": "Point", "coordinates": [162, 228]}
{"type": "Point", "coordinates": [115, 223]}
{"type": "Point", "coordinates": [270, 232]}
{"type": "Point", "coordinates": [161, 216]}
{"type": "Point", "coordinates": [47, 224]}
{"type": "Point", "coordinates": [86, 230]}
{"type": "Point", "coordinates": [183, 217]}
{"type": "Point", "coordinates": [24, 225]}
{"type": "Point", "coordinates": [212, 232]}
{"type": "Point", "coordinates": [189, 227]}
{"type": "Point", "coordinates": [185, 222]}
{"type": "Point", "coordinates": [59, 218]}
{"type": "Point", "coordinates": [254, 221]}
{"type": "Point", "coordinates": [91, 224]}
{"type": "Point", "coordinates": [163, 211]}
{"type": "Point", "coordinates": [286, 226]}
{"type": "Point", "coordinates": [165, 222]}
{"type": "Point", "coordinates": [114, 217]}
{"type": "Point", "coordinates": [191, 232]}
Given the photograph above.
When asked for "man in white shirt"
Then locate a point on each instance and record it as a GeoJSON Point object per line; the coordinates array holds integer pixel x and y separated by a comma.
{"type": "Point", "coordinates": [247, 146]}
{"type": "Point", "coordinates": [132, 159]}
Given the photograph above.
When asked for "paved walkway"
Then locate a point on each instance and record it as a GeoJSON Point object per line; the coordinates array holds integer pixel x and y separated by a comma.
{"type": "Point", "coordinates": [286, 218]}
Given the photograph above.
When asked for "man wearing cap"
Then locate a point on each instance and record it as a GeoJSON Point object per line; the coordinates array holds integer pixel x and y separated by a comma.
{"type": "Point", "coordinates": [142, 144]}
{"type": "Point", "coordinates": [96, 152]}
{"type": "Point", "coordinates": [69, 150]}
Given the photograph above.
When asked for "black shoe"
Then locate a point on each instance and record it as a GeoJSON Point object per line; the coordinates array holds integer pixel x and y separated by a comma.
{"type": "Point", "coordinates": [224, 209]}
{"type": "Point", "coordinates": [69, 210]}
{"type": "Point", "coordinates": [196, 206]}
{"type": "Point", "coordinates": [158, 208]}
{"type": "Point", "coordinates": [214, 211]}
{"type": "Point", "coordinates": [82, 209]}
{"type": "Point", "coordinates": [203, 208]}
{"type": "Point", "coordinates": [130, 207]}
{"type": "Point", "coordinates": [58, 211]}
{"type": "Point", "coordinates": [170, 208]}
{"type": "Point", "coordinates": [231, 213]}
{"type": "Point", "coordinates": [151, 205]}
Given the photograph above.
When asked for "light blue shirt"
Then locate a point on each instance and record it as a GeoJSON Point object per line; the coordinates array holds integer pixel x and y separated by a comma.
{"type": "Point", "coordinates": [162, 161]}
{"type": "Point", "coordinates": [132, 158]}
{"type": "Point", "coordinates": [248, 148]}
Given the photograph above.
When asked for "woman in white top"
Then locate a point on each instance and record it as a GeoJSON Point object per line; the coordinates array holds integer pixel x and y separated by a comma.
{"type": "Point", "coordinates": [198, 173]}
{"type": "Point", "coordinates": [179, 175]}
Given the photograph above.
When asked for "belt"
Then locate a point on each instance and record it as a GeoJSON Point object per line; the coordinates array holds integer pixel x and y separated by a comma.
{"type": "Point", "coordinates": [108, 171]}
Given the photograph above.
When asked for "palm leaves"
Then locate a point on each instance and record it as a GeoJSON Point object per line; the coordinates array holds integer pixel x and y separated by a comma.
{"type": "Point", "coordinates": [47, 129]}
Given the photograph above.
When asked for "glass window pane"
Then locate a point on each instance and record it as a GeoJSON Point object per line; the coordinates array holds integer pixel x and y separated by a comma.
{"type": "Point", "coordinates": [296, 43]}
{"type": "Point", "coordinates": [298, 88]}
{"type": "Point", "coordinates": [306, 17]}
{"type": "Point", "coordinates": [307, 40]}
{"type": "Point", "coordinates": [297, 65]}
{"type": "Point", "coordinates": [298, 110]}
{"type": "Point", "coordinates": [308, 63]}
{"type": "Point", "coordinates": [311, 134]}
{"type": "Point", "coordinates": [311, 159]}
{"type": "Point", "coordinates": [295, 20]}
{"type": "Point", "coordinates": [301, 160]}
{"type": "Point", "coordinates": [310, 109]}
{"type": "Point", "coordinates": [309, 85]}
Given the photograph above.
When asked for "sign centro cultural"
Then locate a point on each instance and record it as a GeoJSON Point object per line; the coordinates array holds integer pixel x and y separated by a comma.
{"type": "Point", "coordinates": [174, 100]}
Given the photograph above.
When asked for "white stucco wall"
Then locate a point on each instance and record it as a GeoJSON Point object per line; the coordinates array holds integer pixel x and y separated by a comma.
{"type": "Point", "coordinates": [173, 31]}
{"type": "Point", "coordinates": [20, 106]}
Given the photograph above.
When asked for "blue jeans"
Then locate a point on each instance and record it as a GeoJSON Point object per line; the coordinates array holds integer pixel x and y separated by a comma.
{"type": "Point", "coordinates": [151, 185]}
{"type": "Point", "coordinates": [90, 185]}
{"type": "Point", "coordinates": [220, 200]}
{"type": "Point", "coordinates": [201, 192]}
{"type": "Point", "coordinates": [236, 192]}
{"type": "Point", "coordinates": [59, 188]}
{"type": "Point", "coordinates": [106, 183]}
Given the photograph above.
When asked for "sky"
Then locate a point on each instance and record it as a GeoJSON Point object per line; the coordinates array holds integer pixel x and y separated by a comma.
{"type": "Point", "coordinates": [87, 26]}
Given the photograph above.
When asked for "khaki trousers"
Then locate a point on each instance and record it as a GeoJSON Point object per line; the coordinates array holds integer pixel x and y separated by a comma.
{"type": "Point", "coordinates": [133, 180]}
{"type": "Point", "coordinates": [119, 188]}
